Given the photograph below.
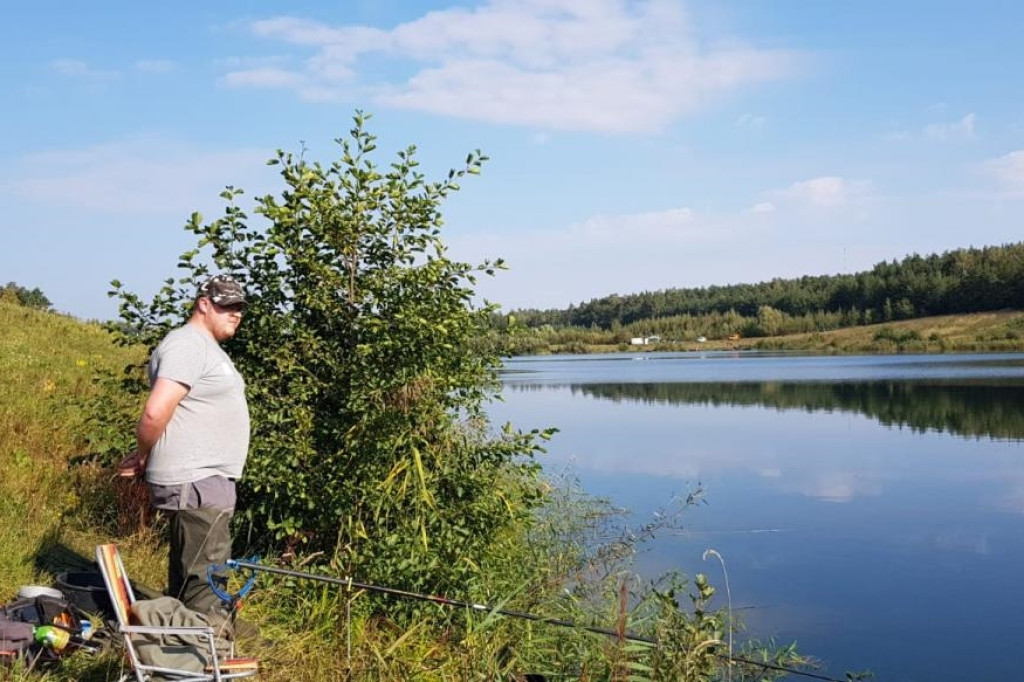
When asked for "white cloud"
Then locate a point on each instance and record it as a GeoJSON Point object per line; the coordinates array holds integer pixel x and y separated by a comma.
{"type": "Point", "coordinates": [1008, 170]}
{"type": "Point", "coordinates": [789, 470]}
{"type": "Point", "coordinates": [141, 176]}
{"type": "Point", "coordinates": [782, 234]}
{"type": "Point", "coordinates": [670, 225]}
{"type": "Point", "coordinates": [898, 136]}
{"type": "Point", "coordinates": [265, 77]}
{"type": "Point", "coordinates": [236, 63]}
{"type": "Point", "coordinates": [78, 69]}
{"type": "Point", "coordinates": [602, 65]}
{"type": "Point", "coordinates": [834, 486]}
{"type": "Point", "coordinates": [751, 122]}
{"type": "Point", "coordinates": [960, 130]}
{"type": "Point", "coordinates": [312, 33]}
{"type": "Point", "coordinates": [824, 192]}
{"type": "Point", "coordinates": [155, 65]}
{"type": "Point", "coordinates": [631, 252]}
{"type": "Point", "coordinates": [964, 129]}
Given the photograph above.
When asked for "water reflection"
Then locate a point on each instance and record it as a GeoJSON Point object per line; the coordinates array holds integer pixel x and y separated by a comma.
{"type": "Point", "coordinates": [894, 488]}
{"type": "Point", "coordinates": [830, 442]}
{"type": "Point", "coordinates": [979, 408]}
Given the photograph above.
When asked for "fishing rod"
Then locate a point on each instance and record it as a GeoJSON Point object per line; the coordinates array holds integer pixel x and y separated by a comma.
{"type": "Point", "coordinates": [523, 615]}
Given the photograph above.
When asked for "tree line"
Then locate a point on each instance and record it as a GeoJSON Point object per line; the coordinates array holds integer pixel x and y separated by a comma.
{"type": "Point", "coordinates": [23, 296]}
{"type": "Point", "coordinates": [961, 281]}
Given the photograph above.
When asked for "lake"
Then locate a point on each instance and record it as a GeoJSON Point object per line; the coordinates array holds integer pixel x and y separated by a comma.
{"type": "Point", "coordinates": [870, 508]}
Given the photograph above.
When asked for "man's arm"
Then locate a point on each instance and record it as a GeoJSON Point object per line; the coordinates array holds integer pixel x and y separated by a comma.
{"type": "Point", "coordinates": [160, 405]}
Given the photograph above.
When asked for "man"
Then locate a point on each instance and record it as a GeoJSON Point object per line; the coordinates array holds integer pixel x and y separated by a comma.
{"type": "Point", "coordinates": [193, 438]}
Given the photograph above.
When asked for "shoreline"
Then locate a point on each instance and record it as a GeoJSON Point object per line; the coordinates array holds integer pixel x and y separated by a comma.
{"type": "Point", "coordinates": [989, 332]}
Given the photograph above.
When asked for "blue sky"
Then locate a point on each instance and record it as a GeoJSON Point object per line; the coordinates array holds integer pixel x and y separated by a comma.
{"type": "Point", "coordinates": [634, 145]}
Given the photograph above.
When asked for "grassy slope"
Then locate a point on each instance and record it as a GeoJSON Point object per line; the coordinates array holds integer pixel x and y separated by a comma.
{"type": "Point", "coordinates": [46, 361]}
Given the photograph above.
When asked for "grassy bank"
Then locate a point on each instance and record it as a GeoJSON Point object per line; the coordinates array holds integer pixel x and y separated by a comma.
{"type": "Point", "coordinates": [46, 367]}
{"type": "Point", "coordinates": [979, 332]}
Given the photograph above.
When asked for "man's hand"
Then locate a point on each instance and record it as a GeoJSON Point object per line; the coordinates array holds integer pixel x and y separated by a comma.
{"type": "Point", "coordinates": [131, 466]}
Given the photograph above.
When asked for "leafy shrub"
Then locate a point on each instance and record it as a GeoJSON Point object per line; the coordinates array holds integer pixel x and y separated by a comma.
{"type": "Point", "coordinates": [369, 441]}
{"type": "Point", "coordinates": [897, 336]}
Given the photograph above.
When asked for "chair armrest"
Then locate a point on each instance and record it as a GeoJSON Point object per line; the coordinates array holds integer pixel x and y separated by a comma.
{"type": "Point", "coordinates": [165, 630]}
{"type": "Point", "coordinates": [237, 664]}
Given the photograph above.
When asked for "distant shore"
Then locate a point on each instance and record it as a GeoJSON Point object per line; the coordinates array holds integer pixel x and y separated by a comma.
{"type": "Point", "coordinates": [1000, 331]}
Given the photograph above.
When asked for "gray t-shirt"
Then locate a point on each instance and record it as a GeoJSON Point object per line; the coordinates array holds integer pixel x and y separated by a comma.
{"type": "Point", "coordinates": [208, 435]}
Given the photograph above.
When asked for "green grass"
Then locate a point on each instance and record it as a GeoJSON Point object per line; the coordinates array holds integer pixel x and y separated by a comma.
{"type": "Point", "coordinates": [977, 332]}
{"type": "Point", "coordinates": [46, 365]}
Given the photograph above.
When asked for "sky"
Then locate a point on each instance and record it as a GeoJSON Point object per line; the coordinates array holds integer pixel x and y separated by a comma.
{"type": "Point", "coordinates": [634, 145]}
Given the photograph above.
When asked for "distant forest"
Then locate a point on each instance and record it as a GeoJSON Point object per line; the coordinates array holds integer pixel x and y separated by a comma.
{"type": "Point", "coordinates": [961, 281]}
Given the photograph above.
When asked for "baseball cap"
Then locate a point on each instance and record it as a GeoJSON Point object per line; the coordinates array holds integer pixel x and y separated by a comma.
{"type": "Point", "coordinates": [222, 290]}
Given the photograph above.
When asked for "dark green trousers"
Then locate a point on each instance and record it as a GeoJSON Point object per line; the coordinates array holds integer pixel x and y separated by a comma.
{"type": "Point", "coordinates": [199, 539]}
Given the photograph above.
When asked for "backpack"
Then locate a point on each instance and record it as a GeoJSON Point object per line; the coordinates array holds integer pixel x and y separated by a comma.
{"type": "Point", "coordinates": [20, 618]}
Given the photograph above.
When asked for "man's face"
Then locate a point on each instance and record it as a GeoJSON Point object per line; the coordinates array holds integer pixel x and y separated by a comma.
{"type": "Point", "coordinates": [225, 320]}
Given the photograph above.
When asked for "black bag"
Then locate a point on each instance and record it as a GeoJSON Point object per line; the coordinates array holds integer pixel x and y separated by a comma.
{"type": "Point", "coordinates": [19, 618]}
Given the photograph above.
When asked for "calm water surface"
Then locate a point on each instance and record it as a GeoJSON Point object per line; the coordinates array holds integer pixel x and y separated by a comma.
{"type": "Point", "coordinates": [870, 508]}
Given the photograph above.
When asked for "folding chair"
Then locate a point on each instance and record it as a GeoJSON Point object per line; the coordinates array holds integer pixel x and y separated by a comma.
{"type": "Point", "coordinates": [122, 597]}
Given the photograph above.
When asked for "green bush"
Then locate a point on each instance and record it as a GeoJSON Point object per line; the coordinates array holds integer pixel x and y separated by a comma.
{"type": "Point", "coordinates": [897, 336]}
{"type": "Point", "coordinates": [30, 298]}
{"type": "Point", "coordinates": [369, 441]}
